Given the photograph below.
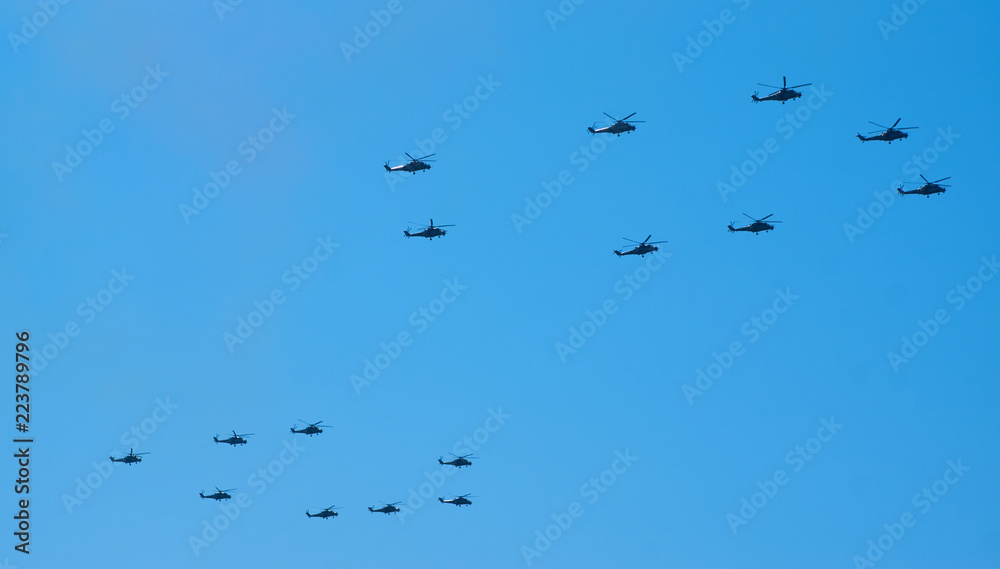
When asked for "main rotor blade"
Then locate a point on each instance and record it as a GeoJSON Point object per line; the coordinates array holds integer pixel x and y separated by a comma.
{"type": "Point", "coordinates": [766, 216]}
{"type": "Point", "coordinates": [452, 225]}
{"type": "Point", "coordinates": [753, 218]}
{"type": "Point", "coordinates": [880, 125]}
{"type": "Point", "coordinates": [897, 122]}
{"type": "Point", "coordinates": [610, 117]}
{"type": "Point", "coordinates": [936, 181]}
{"type": "Point", "coordinates": [802, 85]}
{"type": "Point", "coordinates": [632, 240]}
{"type": "Point", "coordinates": [628, 117]}
{"type": "Point", "coordinates": [428, 156]}
{"type": "Point", "coordinates": [647, 238]}
{"type": "Point", "coordinates": [408, 155]}
{"type": "Point", "coordinates": [655, 242]}
{"type": "Point", "coordinates": [784, 81]}
{"type": "Point", "coordinates": [907, 127]}
{"type": "Point", "coordinates": [770, 86]}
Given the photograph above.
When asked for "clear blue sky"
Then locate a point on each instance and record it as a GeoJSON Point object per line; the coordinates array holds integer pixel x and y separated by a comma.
{"type": "Point", "coordinates": [308, 217]}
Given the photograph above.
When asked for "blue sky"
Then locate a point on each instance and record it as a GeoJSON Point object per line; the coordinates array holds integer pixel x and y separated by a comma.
{"type": "Point", "coordinates": [812, 443]}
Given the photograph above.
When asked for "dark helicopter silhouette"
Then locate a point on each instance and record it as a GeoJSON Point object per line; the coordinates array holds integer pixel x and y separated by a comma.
{"type": "Point", "coordinates": [783, 93]}
{"type": "Point", "coordinates": [413, 166]}
{"type": "Point", "coordinates": [927, 189]}
{"type": "Point", "coordinates": [889, 134]}
{"type": "Point", "coordinates": [618, 127]}
{"type": "Point", "coordinates": [129, 459]}
{"type": "Point", "coordinates": [641, 248]}
{"type": "Point", "coordinates": [219, 494]}
{"type": "Point", "coordinates": [233, 440]}
{"type": "Point", "coordinates": [311, 429]}
{"type": "Point", "coordinates": [459, 461]}
{"type": "Point", "coordinates": [430, 231]}
{"type": "Point", "coordinates": [756, 227]}
{"type": "Point", "coordinates": [457, 500]}
{"type": "Point", "coordinates": [327, 513]}
{"type": "Point", "coordinates": [386, 508]}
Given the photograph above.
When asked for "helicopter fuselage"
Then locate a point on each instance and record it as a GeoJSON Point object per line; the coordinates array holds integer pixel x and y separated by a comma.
{"type": "Point", "coordinates": [430, 233]}
{"type": "Point", "coordinates": [925, 190]}
{"type": "Point", "coordinates": [887, 136]}
{"type": "Point", "coordinates": [754, 228]}
{"type": "Point", "coordinates": [779, 95]}
{"type": "Point", "coordinates": [640, 250]}
{"type": "Point", "coordinates": [412, 167]}
{"type": "Point", "coordinates": [617, 128]}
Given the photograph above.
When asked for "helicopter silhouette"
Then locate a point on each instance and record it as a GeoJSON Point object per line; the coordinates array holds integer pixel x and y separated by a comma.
{"type": "Point", "coordinates": [889, 134]}
{"type": "Point", "coordinates": [233, 440]}
{"type": "Point", "coordinates": [219, 494]}
{"type": "Point", "coordinates": [783, 93]}
{"type": "Point", "coordinates": [413, 166]}
{"type": "Point", "coordinates": [618, 127]}
{"type": "Point", "coordinates": [756, 227]}
{"type": "Point", "coordinates": [430, 231]}
{"type": "Point", "coordinates": [457, 500]}
{"type": "Point", "coordinates": [459, 461]}
{"type": "Point", "coordinates": [927, 189]}
{"type": "Point", "coordinates": [130, 458]}
{"type": "Point", "coordinates": [641, 248]}
{"type": "Point", "coordinates": [311, 429]}
{"type": "Point", "coordinates": [327, 513]}
{"type": "Point", "coordinates": [386, 508]}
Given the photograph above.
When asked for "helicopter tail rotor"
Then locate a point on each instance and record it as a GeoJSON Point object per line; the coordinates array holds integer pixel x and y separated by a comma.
{"type": "Point", "coordinates": [387, 168]}
{"type": "Point", "coordinates": [754, 97]}
{"type": "Point", "coordinates": [591, 130]}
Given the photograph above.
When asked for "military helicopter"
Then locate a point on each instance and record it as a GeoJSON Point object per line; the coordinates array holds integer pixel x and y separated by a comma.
{"type": "Point", "coordinates": [618, 128]}
{"type": "Point", "coordinates": [459, 461]}
{"type": "Point", "coordinates": [430, 231]}
{"type": "Point", "coordinates": [219, 494]}
{"type": "Point", "coordinates": [233, 440]}
{"type": "Point", "coordinates": [889, 134]}
{"type": "Point", "coordinates": [641, 249]}
{"type": "Point", "coordinates": [413, 166]}
{"type": "Point", "coordinates": [327, 513]}
{"type": "Point", "coordinates": [783, 93]}
{"type": "Point", "coordinates": [457, 500]}
{"type": "Point", "coordinates": [756, 227]}
{"type": "Point", "coordinates": [130, 458]}
{"type": "Point", "coordinates": [312, 429]}
{"type": "Point", "coordinates": [928, 188]}
{"type": "Point", "coordinates": [386, 508]}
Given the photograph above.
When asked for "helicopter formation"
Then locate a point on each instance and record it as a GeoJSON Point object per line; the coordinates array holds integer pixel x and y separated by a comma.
{"type": "Point", "coordinates": [619, 126]}
{"type": "Point", "coordinates": [311, 429]}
